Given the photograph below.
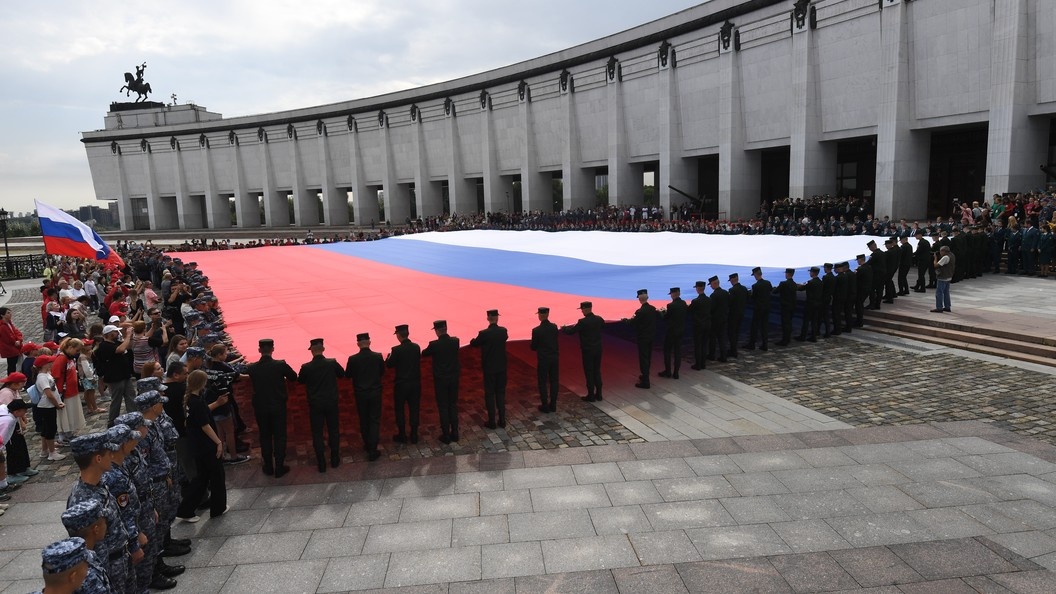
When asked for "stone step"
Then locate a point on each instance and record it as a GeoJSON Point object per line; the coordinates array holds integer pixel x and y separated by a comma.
{"type": "Point", "coordinates": [963, 340]}
{"type": "Point", "coordinates": [977, 336]}
{"type": "Point", "coordinates": [949, 323]}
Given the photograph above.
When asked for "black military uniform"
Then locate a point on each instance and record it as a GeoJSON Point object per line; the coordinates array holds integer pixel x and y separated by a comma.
{"type": "Point", "coordinates": [863, 287]}
{"type": "Point", "coordinates": [406, 359]}
{"type": "Point", "coordinates": [675, 328]}
{"type": "Point", "coordinates": [700, 312]}
{"type": "Point", "coordinates": [922, 257]}
{"type": "Point", "coordinates": [492, 344]}
{"type": "Point", "coordinates": [878, 266]}
{"type": "Point", "coordinates": [545, 345]}
{"type": "Point", "coordinates": [269, 377]}
{"type": "Point", "coordinates": [892, 258]}
{"type": "Point", "coordinates": [738, 303]}
{"type": "Point", "coordinates": [589, 329]}
{"type": "Point", "coordinates": [365, 369]}
{"type": "Point", "coordinates": [786, 292]}
{"type": "Point", "coordinates": [761, 291]}
{"type": "Point", "coordinates": [852, 296]}
{"type": "Point", "coordinates": [320, 378]}
{"type": "Point", "coordinates": [446, 369]}
{"type": "Point", "coordinates": [812, 307]}
{"type": "Point", "coordinates": [905, 264]}
{"type": "Point", "coordinates": [720, 315]}
{"type": "Point", "coordinates": [644, 322]}
{"type": "Point", "coordinates": [828, 291]}
{"type": "Point", "coordinates": [959, 247]}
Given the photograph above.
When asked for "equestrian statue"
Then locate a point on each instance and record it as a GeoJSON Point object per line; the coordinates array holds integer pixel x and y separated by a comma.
{"type": "Point", "coordinates": [136, 84]}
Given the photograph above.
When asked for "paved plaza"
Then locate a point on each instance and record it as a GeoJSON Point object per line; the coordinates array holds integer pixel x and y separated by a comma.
{"type": "Point", "coordinates": [858, 463]}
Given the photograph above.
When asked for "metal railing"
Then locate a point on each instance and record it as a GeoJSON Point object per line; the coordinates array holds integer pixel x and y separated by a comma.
{"type": "Point", "coordinates": [18, 267]}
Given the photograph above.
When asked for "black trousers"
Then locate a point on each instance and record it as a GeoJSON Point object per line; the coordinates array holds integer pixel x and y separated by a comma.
{"type": "Point", "coordinates": [673, 347]}
{"type": "Point", "coordinates": [546, 372]}
{"type": "Point", "coordinates": [700, 343]}
{"type": "Point", "coordinates": [645, 357]}
{"type": "Point", "coordinates": [825, 316]}
{"type": "Point", "coordinates": [209, 477]}
{"type": "Point", "coordinates": [447, 403]}
{"type": "Point", "coordinates": [592, 371]}
{"type": "Point", "coordinates": [17, 453]}
{"type": "Point", "coordinates": [877, 295]}
{"type": "Point", "coordinates": [320, 415]}
{"type": "Point", "coordinates": [811, 321]}
{"type": "Point", "coordinates": [407, 397]}
{"type": "Point", "coordinates": [922, 273]}
{"type": "Point", "coordinates": [760, 326]}
{"type": "Point", "coordinates": [786, 322]}
{"type": "Point", "coordinates": [859, 312]}
{"type": "Point", "coordinates": [272, 427]}
{"type": "Point", "coordinates": [848, 316]}
{"type": "Point", "coordinates": [368, 408]}
{"type": "Point", "coordinates": [734, 333]}
{"type": "Point", "coordinates": [495, 394]}
{"type": "Point", "coordinates": [889, 288]}
{"type": "Point", "coordinates": [837, 315]}
{"type": "Point", "coordinates": [717, 339]}
{"type": "Point", "coordinates": [12, 364]}
{"type": "Point", "coordinates": [903, 280]}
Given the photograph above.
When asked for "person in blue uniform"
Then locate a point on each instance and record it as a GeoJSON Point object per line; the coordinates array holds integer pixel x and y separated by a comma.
{"type": "Point", "coordinates": [92, 453]}
{"type": "Point", "coordinates": [64, 565]}
{"type": "Point", "coordinates": [365, 369]}
{"type": "Point", "coordinates": [85, 520]}
{"type": "Point", "coordinates": [545, 344]}
{"type": "Point", "coordinates": [492, 344]}
{"type": "Point", "coordinates": [589, 330]}
{"type": "Point", "coordinates": [406, 359]}
{"type": "Point", "coordinates": [446, 371]}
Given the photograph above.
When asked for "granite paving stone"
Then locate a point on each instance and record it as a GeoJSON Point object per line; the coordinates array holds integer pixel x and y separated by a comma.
{"type": "Point", "coordinates": [25, 566]}
{"type": "Point", "coordinates": [950, 586]}
{"type": "Point", "coordinates": [203, 580]}
{"type": "Point", "coordinates": [825, 457]}
{"type": "Point", "coordinates": [670, 546]}
{"type": "Point", "coordinates": [820, 504]}
{"type": "Point", "coordinates": [1034, 543]}
{"type": "Point", "coordinates": [601, 472]}
{"type": "Point", "coordinates": [689, 489]}
{"type": "Point", "coordinates": [875, 566]}
{"type": "Point", "coordinates": [754, 510]}
{"type": "Point", "coordinates": [547, 476]}
{"type": "Point", "coordinates": [306, 518]}
{"type": "Point", "coordinates": [947, 493]}
{"type": "Point", "coordinates": [879, 529]}
{"type": "Point", "coordinates": [511, 560]}
{"type": "Point", "coordinates": [990, 516]}
{"type": "Point", "coordinates": [408, 536]}
{"type": "Point", "coordinates": [475, 482]}
{"type": "Point", "coordinates": [1033, 582]}
{"type": "Point", "coordinates": [875, 475]}
{"type": "Point", "coordinates": [740, 575]}
{"type": "Point", "coordinates": [637, 470]}
{"type": "Point", "coordinates": [729, 542]}
{"type": "Point", "coordinates": [934, 448]}
{"type": "Point", "coordinates": [597, 552]}
{"type": "Point", "coordinates": [571, 497]}
{"type": "Point", "coordinates": [662, 579]}
{"type": "Point", "coordinates": [262, 548]}
{"type": "Point", "coordinates": [809, 536]}
{"type": "Point", "coordinates": [550, 525]}
{"type": "Point", "coordinates": [578, 582]}
{"type": "Point", "coordinates": [293, 495]}
{"type": "Point", "coordinates": [335, 542]}
{"type": "Point", "coordinates": [1030, 512]}
{"type": "Point", "coordinates": [813, 572]}
{"type": "Point", "coordinates": [383, 511]}
{"type": "Point", "coordinates": [410, 568]}
{"type": "Point", "coordinates": [756, 483]}
{"type": "Point", "coordinates": [632, 492]}
{"type": "Point", "coordinates": [768, 461]}
{"type": "Point", "coordinates": [354, 573]}
{"type": "Point", "coordinates": [492, 586]}
{"type": "Point", "coordinates": [935, 469]}
{"type": "Point", "coordinates": [202, 551]}
{"type": "Point", "coordinates": [439, 507]}
{"type": "Point", "coordinates": [951, 558]}
{"type": "Point", "coordinates": [505, 502]}
{"type": "Point", "coordinates": [686, 514]}
{"type": "Point", "coordinates": [884, 499]}
{"type": "Point", "coordinates": [816, 479]}
{"type": "Point", "coordinates": [948, 523]}
{"type": "Point", "coordinates": [356, 491]}
{"type": "Point", "coordinates": [418, 486]}
{"type": "Point", "coordinates": [619, 520]}
{"type": "Point", "coordinates": [712, 465]}
{"type": "Point", "coordinates": [479, 531]}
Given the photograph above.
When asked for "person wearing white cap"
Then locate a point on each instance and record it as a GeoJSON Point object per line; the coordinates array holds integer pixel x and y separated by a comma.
{"type": "Point", "coordinates": [113, 362]}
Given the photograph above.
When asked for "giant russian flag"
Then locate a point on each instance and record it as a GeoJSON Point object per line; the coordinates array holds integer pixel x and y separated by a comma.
{"type": "Point", "coordinates": [66, 236]}
{"type": "Point", "coordinates": [334, 291]}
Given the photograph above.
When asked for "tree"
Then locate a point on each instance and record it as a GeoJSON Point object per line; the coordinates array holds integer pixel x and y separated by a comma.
{"type": "Point", "coordinates": [601, 196]}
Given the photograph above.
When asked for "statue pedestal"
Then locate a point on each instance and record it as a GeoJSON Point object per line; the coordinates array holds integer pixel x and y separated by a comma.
{"type": "Point", "coordinates": [133, 106]}
{"type": "Point", "coordinates": [151, 114]}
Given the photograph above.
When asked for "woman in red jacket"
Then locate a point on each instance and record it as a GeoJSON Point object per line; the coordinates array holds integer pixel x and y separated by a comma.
{"type": "Point", "coordinates": [10, 339]}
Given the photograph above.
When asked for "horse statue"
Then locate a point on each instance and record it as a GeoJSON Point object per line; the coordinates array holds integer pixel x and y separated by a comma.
{"type": "Point", "coordinates": [136, 84]}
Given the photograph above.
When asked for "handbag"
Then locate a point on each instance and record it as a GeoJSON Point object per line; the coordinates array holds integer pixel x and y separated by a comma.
{"type": "Point", "coordinates": [34, 394]}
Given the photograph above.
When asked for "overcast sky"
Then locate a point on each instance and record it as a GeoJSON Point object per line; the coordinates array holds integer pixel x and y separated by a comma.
{"type": "Point", "coordinates": [63, 62]}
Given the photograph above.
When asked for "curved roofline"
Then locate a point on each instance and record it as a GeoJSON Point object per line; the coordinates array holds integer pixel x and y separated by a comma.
{"type": "Point", "coordinates": [653, 32]}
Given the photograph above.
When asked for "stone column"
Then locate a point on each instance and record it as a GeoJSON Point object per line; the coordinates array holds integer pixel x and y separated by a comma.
{"type": "Point", "coordinates": [461, 193]}
{"type": "Point", "coordinates": [1016, 144]}
{"type": "Point", "coordinates": [536, 188]}
{"type": "Point", "coordinates": [335, 202]}
{"type": "Point", "coordinates": [217, 208]}
{"type": "Point", "coordinates": [247, 211]}
{"type": "Point", "coordinates": [305, 201]}
{"type": "Point", "coordinates": [624, 187]}
{"type": "Point", "coordinates": [427, 196]}
{"type": "Point", "coordinates": [160, 217]}
{"type": "Point", "coordinates": [124, 200]}
{"type": "Point", "coordinates": [577, 183]}
{"type": "Point", "coordinates": [673, 168]}
{"type": "Point", "coordinates": [364, 202]}
{"type": "Point", "coordinates": [812, 163]}
{"type": "Point", "coordinates": [188, 211]}
{"type": "Point", "coordinates": [494, 189]}
{"type": "Point", "coordinates": [902, 155]}
{"type": "Point", "coordinates": [276, 206]}
{"type": "Point", "coordinates": [397, 201]}
{"type": "Point", "coordinates": [739, 169]}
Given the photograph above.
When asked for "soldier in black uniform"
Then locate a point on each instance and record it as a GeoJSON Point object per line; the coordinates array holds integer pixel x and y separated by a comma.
{"type": "Point", "coordinates": [589, 329]}
{"type": "Point", "coordinates": [905, 264]}
{"type": "Point", "coordinates": [786, 292]}
{"type": "Point", "coordinates": [878, 266]}
{"type": "Point", "coordinates": [862, 287]}
{"type": "Point", "coordinates": [738, 303]}
{"type": "Point", "coordinates": [406, 359]}
{"type": "Point", "coordinates": [700, 311]}
{"type": "Point", "coordinates": [922, 257]}
{"type": "Point", "coordinates": [959, 247]}
{"type": "Point", "coordinates": [446, 369]}
{"type": "Point", "coordinates": [893, 257]}
{"type": "Point", "coordinates": [365, 369]}
{"type": "Point", "coordinates": [320, 378]}
{"type": "Point", "coordinates": [675, 326]}
{"type": "Point", "coordinates": [492, 344]}
{"type": "Point", "coordinates": [812, 306]}
{"type": "Point", "coordinates": [760, 295]}
{"type": "Point", "coordinates": [828, 291]}
{"type": "Point", "coordinates": [269, 377]}
{"type": "Point", "coordinates": [545, 345]}
{"type": "Point", "coordinates": [720, 315]}
{"type": "Point", "coordinates": [843, 296]}
{"type": "Point", "coordinates": [644, 322]}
